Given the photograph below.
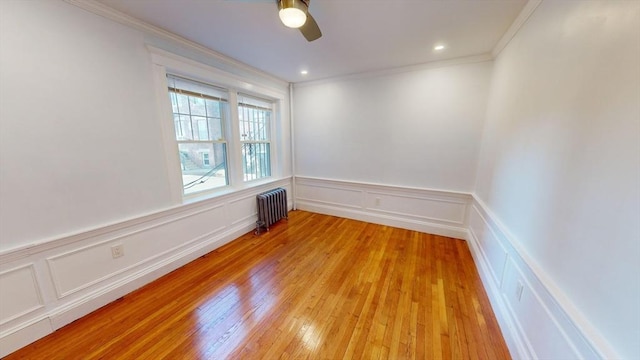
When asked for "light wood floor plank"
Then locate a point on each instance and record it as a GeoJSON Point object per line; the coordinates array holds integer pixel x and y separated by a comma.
{"type": "Point", "coordinates": [314, 287]}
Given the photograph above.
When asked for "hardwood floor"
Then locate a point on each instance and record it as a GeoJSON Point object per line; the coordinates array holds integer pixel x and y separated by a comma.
{"type": "Point", "coordinates": [315, 286]}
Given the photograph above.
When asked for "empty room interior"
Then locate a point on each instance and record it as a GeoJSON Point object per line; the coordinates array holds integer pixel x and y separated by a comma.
{"type": "Point", "coordinates": [324, 179]}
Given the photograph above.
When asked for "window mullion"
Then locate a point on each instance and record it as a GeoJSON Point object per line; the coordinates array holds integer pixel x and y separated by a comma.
{"type": "Point", "coordinates": [234, 144]}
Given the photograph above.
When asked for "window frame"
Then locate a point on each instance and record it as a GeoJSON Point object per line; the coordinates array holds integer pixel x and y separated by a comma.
{"type": "Point", "coordinates": [269, 135]}
{"type": "Point", "coordinates": [177, 88]}
{"type": "Point", "coordinates": [165, 63]}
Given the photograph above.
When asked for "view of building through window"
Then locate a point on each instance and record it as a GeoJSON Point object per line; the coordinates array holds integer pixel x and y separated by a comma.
{"type": "Point", "coordinates": [255, 121]}
{"type": "Point", "coordinates": [199, 112]}
{"type": "Point", "coordinates": [200, 115]}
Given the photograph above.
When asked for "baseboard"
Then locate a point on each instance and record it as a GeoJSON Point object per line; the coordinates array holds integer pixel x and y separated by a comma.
{"type": "Point", "coordinates": [535, 323]}
{"type": "Point", "coordinates": [154, 270]}
{"type": "Point", "coordinates": [512, 337]}
{"type": "Point", "coordinates": [432, 211]}
{"type": "Point", "coordinates": [52, 285]}
{"type": "Point", "coordinates": [431, 228]}
{"type": "Point", "coordinates": [24, 334]}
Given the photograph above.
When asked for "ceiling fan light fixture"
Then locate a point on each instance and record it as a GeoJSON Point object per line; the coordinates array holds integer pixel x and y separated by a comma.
{"type": "Point", "coordinates": [293, 13]}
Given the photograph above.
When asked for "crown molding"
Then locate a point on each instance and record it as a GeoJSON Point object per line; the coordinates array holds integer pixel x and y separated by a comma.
{"type": "Point", "coordinates": [127, 20]}
{"type": "Point", "coordinates": [107, 12]}
{"type": "Point", "coordinates": [397, 70]}
{"type": "Point", "coordinates": [517, 24]}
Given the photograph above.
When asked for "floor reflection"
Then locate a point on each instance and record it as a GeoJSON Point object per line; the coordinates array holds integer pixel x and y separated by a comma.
{"type": "Point", "coordinates": [226, 318]}
{"type": "Point", "coordinates": [310, 336]}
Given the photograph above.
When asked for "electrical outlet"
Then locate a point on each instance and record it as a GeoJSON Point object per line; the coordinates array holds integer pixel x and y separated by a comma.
{"type": "Point", "coordinates": [519, 290]}
{"type": "Point", "coordinates": [377, 201]}
{"type": "Point", "coordinates": [117, 251]}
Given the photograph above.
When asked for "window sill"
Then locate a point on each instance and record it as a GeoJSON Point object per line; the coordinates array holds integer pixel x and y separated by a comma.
{"type": "Point", "coordinates": [227, 191]}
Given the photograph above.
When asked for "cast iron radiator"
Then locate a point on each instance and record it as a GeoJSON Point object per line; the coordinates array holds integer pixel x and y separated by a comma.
{"type": "Point", "coordinates": [272, 206]}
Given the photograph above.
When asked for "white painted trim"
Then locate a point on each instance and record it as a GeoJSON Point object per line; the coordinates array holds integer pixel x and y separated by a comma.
{"type": "Point", "coordinates": [127, 20]}
{"type": "Point", "coordinates": [575, 332]}
{"type": "Point", "coordinates": [165, 62]}
{"type": "Point", "coordinates": [440, 225]}
{"type": "Point", "coordinates": [165, 118]}
{"type": "Point", "coordinates": [246, 217]}
{"type": "Point", "coordinates": [510, 333]}
{"type": "Point", "coordinates": [207, 73]}
{"type": "Point", "coordinates": [428, 218]}
{"type": "Point", "coordinates": [397, 70]}
{"type": "Point", "coordinates": [122, 18]}
{"type": "Point", "coordinates": [22, 251]}
{"type": "Point", "coordinates": [293, 146]}
{"type": "Point", "coordinates": [578, 333]}
{"type": "Point", "coordinates": [56, 279]}
{"type": "Point", "coordinates": [497, 277]}
{"type": "Point", "coordinates": [430, 228]}
{"type": "Point", "coordinates": [61, 306]}
{"type": "Point", "coordinates": [462, 195]}
{"type": "Point", "coordinates": [36, 285]}
{"type": "Point", "coordinates": [526, 12]}
{"type": "Point", "coordinates": [84, 305]}
{"type": "Point", "coordinates": [24, 334]}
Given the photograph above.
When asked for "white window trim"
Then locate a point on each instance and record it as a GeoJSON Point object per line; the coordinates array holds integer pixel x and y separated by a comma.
{"type": "Point", "coordinates": [168, 63]}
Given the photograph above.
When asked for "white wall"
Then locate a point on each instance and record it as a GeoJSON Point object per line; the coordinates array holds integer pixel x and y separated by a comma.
{"type": "Point", "coordinates": [418, 128]}
{"type": "Point", "coordinates": [83, 168]}
{"type": "Point", "coordinates": [80, 139]}
{"type": "Point", "coordinates": [79, 143]}
{"type": "Point", "coordinates": [560, 166]}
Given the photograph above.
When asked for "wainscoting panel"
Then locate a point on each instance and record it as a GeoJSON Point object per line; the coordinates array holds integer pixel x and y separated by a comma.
{"type": "Point", "coordinates": [433, 211]}
{"type": "Point", "coordinates": [492, 249]}
{"type": "Point", "coordinates": [164, 237]}
{"type": "Point", "coordinates": [57, 281]}
{"type": "Point", "coordinates": [441, 210]}
{"type": "Point", "coordinates": [25, 297]}
{"type": "Point", "coordinates": [328, 194]}
{"type": "Point", "coordinates": [533, 321]}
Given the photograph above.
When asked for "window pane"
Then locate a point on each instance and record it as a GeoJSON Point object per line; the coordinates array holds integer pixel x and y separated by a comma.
{"type": "Point", "coordinates": [200, 130]}
{"type": "Point", "coordinates": [199, 112]}
{"type": "Point", "coordinates": [203, 166]}
{"type": "Point", "coordinates": [215, 129]}
{"type": "Point", "coordinates": [254, 123]}
{"type": "Point", "coordinates": [193, 126]}
{"type": "Point", "coordinates": [213, 108]}
{"type": "Point", "coordinates": [256, 160]}
{"type": "Point", "coordinates": [197, 106]}
{"type": "Point", "coordinates": [180, 103]}
{"type": "Point", "coordinates": [183, 127]}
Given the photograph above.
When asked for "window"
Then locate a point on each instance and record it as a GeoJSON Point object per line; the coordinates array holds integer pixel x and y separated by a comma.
{"type": "Point", "coordinates": [255, 134]}
{"type": "Point", "coordinates": [224, 130]}
{"type": "Point", "coordinates": [200, 112]}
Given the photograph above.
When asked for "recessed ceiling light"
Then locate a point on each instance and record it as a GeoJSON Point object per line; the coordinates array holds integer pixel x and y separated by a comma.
{"type": "Point", "coordinates": [304, 72]}
{"type": "Point", "coordinates": [438, 47]}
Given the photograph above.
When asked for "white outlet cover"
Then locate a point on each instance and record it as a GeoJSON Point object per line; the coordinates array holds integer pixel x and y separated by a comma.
{"type": "Point", "coordinates": [519, 290]}
{"type": "Point", "coordinates": [117, 251]}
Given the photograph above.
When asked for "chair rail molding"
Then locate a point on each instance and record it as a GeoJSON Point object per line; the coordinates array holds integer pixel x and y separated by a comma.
{"type": "Point", "coordinates": [536, 318]}
{"type": "Point", "coordinates": [439, 212]}
{"type": "Point", "coordinates": [51, 284]}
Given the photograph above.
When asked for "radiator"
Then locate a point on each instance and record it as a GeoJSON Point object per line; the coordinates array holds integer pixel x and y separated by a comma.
{"type": "Point", "coordinates": [272, 206]}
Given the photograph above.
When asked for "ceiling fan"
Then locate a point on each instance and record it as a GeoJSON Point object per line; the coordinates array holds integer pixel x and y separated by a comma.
{"type": "Point", "coordinates": [295, 14]}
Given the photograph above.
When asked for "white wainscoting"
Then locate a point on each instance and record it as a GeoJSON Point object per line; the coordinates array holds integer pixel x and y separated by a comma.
{"type": "Point", "coordinates": [432, 211]}
{"type": "Point", "coordinates": [50, 284]}
{"type": "Point", "coordinates": [538, 325]}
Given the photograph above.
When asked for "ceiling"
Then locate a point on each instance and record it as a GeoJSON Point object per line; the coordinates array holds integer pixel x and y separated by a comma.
{"type": "Point", "coordinates": [358, 35]}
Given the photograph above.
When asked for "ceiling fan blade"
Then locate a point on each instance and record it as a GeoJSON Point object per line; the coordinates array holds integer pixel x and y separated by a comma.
{"type": "Point", "coordinates": [310, 29]}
